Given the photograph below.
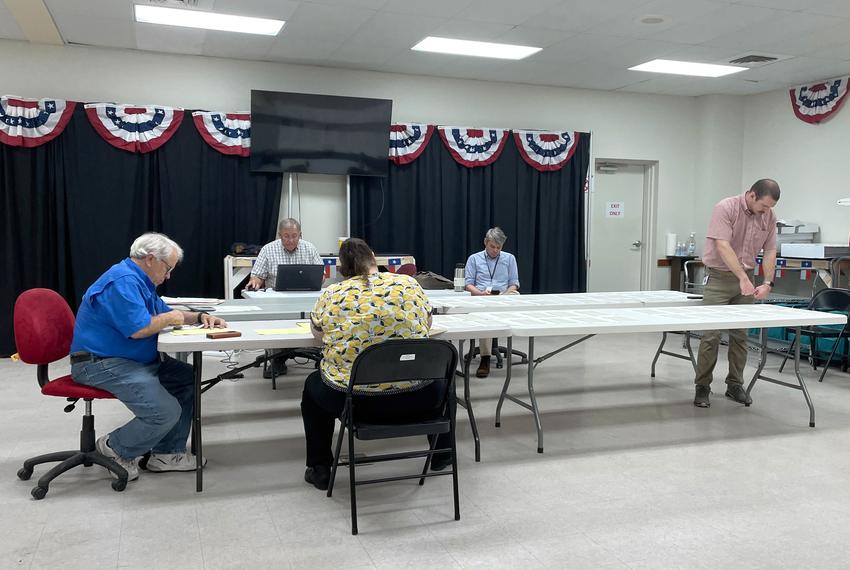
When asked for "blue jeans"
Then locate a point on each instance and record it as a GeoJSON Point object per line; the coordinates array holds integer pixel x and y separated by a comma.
{"type": "Point", "coordinates": [160, 395]}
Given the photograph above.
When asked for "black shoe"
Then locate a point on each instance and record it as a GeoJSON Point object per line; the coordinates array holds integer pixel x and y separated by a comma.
{"type": "Point", "coordinates": [319, 476]}
{"type": "Point", "coordinates": [701, 396]}
{"type": "Point", "coordinates": [736, 392]}
{"type": "Point", "coordinates": [279, 370]}
{"type": "Point", "coordinates": [440, 461]}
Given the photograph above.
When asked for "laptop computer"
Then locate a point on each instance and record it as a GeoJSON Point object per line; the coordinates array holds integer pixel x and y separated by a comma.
{"type": "Point", "coordinates": [292, 277]}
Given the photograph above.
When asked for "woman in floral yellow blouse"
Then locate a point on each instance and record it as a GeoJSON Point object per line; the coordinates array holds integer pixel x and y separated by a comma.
{"type": "Point", "coordinates": [367, 308]}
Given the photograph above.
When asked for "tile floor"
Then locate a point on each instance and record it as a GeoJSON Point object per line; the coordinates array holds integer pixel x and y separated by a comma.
{"type": "Point", "coordinates": [633, 476]}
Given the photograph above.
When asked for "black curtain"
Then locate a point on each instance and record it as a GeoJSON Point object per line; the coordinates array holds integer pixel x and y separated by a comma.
{"type": "Point", "coordinates": [72, 207]}
{"type": "Point", "coordinates": [438, 210]}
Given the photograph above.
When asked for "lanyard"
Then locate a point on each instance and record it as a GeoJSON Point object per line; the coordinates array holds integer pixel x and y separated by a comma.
{"type": "Point", "coordinates": [495, 265]}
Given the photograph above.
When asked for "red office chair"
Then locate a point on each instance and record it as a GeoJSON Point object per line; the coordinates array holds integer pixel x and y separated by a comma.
{"type": "Point", "coordinates": [44, 326]}
{"type": "Point", "coordinates": [407, 269]}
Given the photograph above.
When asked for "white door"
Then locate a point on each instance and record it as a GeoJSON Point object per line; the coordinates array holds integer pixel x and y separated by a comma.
{"type": "Point", "coordinates": [616, 227]}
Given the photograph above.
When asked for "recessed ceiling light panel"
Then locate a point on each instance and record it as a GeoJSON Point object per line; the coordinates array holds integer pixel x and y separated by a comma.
{"type": "Point", "coordinates": [687, 68]}
{"type": "Point", "coordinates": [475, 49]}
{"type": "Point", "coordinates": [207, 20]}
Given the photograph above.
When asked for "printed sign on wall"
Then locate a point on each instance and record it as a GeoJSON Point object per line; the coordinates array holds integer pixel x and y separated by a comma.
{"type": "Point", "coordinates": [614, 210]}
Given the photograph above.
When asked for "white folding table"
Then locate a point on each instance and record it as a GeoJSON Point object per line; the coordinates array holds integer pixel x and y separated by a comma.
{"type": "Point", "coordinates": [553, 301]}
{"type": "Point", "coordinates": [589, 322]}
{"type": "Point", "coordinates": [455, 329]}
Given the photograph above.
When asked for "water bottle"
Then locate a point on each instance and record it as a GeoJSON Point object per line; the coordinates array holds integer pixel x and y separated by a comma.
{"type": "Point", "coordinates": [460, 277]}
{"type": "Point", "coordinates": [692, 244]}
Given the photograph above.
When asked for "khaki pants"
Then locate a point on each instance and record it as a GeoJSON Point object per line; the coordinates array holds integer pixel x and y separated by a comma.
{"type": "Point", "coordinates": [722, 289]}
{"type": "Point", "coordinates": [485, 346]}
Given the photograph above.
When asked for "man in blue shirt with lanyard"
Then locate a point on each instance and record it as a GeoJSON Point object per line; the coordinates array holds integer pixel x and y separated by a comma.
{"type": "Point", "coordinates": [114, 349]}
{"type": "Point", "coordinates": [491, 272]}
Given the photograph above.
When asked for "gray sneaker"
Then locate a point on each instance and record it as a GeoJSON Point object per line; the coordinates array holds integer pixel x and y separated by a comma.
{"type": "Point", "coordinates": [130, 465]}
{"type": "Point", "coordinates": [701, 396]}
{"type": "Point", "coordinates": [736, 392]}
{"type": "Point", "coordinates": [167, 462]}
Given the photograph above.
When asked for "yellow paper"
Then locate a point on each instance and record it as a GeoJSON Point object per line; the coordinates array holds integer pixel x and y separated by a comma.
{"type": "Point", "coordinates": [434, 331]}
{"type": "Point", "coordinates": [299, 328]}
{"type": "Point", "coordinates": [185, 332]}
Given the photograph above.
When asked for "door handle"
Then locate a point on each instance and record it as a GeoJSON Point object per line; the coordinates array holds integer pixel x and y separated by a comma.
{"type": "Point", "coordinates": [636, 244]}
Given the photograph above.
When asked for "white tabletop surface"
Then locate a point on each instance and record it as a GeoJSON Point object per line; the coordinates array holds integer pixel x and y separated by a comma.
{"type": "Point", "coordinates": [651, 319]}
{"type": "Point", "coordinates": [269, 294]}
{"type": "Point", "coordinates": [554, 301]}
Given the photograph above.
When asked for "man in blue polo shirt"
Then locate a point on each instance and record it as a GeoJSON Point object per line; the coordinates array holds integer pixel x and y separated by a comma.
{"type": "Point", "coordinates": [114, 349]}
{"type": "Point", "coordinates": [491, 272]}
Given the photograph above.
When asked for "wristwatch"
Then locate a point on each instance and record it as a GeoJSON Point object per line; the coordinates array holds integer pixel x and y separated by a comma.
{"type": "Point", "coordinates": [768, 283]}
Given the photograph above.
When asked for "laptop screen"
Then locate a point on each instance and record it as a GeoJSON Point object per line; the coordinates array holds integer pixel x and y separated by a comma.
{"type": "Point", "coordinates": [292, 277]}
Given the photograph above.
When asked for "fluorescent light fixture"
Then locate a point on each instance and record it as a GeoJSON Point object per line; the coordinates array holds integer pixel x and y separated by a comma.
{"type": "Point", "coordinates": [476, 49]}
{"type": "Point", "coordinates": [844, 202]}
{"type": "Point", "coordinates": [687, 68]}
{"type": "Point", "coordinates": [207, 20]}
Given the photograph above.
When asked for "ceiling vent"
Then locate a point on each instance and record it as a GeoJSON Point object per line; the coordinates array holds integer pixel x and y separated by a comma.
{"type": "Point", "coordinates": [755, 59]}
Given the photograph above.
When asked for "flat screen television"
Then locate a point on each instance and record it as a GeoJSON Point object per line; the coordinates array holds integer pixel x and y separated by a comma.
{"type": "Point", "coordinates": [320, 134]}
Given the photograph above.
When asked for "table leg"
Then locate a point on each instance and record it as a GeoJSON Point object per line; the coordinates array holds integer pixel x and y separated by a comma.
{"type": "Point", "coordinates": [506, 384]}
{"type": "Point", "coordinates": [534, 409]}
{"type": "Point", "coordinates": [197, 445]}
{"type": "Point", "coordinates": [467, 401]}
{"type": "Point", "coordinates": [800, 380]}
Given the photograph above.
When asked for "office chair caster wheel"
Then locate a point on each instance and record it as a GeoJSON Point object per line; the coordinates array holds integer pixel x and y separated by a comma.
{"type": "Point", "coordinates": [119, 485]}
{"type": "Point", "coordinates": [24, 474]}
{"type": "Point", "coordinates": [38, 493]}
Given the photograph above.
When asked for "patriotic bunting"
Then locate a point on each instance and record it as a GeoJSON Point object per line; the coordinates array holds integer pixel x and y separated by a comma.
{"type": "Point", "coordinates": [408, 141]}
{"type": "Point", "coordinates": [30, 122]}
{"type": "Point", "coordinates": [134, 129]}
{"type": "Point", "coordinates": [474, 147]}
{"type": "Point", "coordinates": [228, 133]}
{"type": "Point", "coordinates": [546, 151]}
{"type": "Point", "coordinates": [817, 102]}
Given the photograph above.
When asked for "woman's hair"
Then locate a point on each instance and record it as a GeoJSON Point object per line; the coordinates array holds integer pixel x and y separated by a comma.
{"type": "Point", "coordinates": [158, 245]}
{"type": "Point", "coordinates": [355, 258]}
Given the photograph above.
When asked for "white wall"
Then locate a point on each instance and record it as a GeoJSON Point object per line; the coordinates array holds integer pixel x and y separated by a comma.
{"type": "Point", "coordinates": [624, 125]}
{"type": "Point", "coordinates": [807, 160]}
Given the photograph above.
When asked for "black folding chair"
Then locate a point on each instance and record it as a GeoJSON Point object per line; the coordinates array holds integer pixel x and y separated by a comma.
{"type": "Point", "coordinates": [829, 301]}
{"type": "Point", "coordinates": [392, 361]}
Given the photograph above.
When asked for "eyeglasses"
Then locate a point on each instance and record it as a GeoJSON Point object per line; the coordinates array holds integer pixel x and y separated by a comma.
{"type": "Point", "coordinates": [170, 267]}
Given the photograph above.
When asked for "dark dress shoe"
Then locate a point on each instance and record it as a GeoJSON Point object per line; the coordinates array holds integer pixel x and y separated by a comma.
{"type": "Point", "coordinates": [440, 461]}
{"type": "Point", "coordinates": [701, 396]}
{"type": "Point", "coordinates": [319, 476]}
{"type": "Point", "coordinates": [736, 392]}
{"type": "Point", "coordinates": [483, 368]}
{"type": "Point", "coordinates": [279, 370]}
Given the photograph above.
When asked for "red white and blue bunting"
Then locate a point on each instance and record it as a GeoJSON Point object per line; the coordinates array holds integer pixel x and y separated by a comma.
{"type": "Point", "coordinates": [817, 102]}
{"type": "Point", "coordinates": [408, 141]}
{"type": "Point", "coordinates": [31, 122]}
{"type": "Point", "coordinates": [228, 133]}
{"type": "Point", "coordinates": [134, 129]}
{"type": "Point", "coordinates": [546, 151]}
{"type": "Point", "coordinates": [474, 147]}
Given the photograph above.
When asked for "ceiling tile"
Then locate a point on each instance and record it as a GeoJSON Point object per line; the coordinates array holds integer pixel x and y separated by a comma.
{"type": "Point", "coordinates": [839, 52]}
{"type": "Point", "coordinates": [238, 46]}
{"type": "Point", "coordinates": [468, 30]}
{"type": "Point", "coordinates": [582, 16]}
{"type": "Point", "coordinates": [9, 28]}
{"type": "Point", "coordinates": [367, 4]}
{"type": "Point", "coordinates": [312, 21]}
{"type": "Point", "coordinates": [371, 56]}
{"type": "Point", "coordinates": [679, 12]}
{"type": "Point", "coordinates": [94, 9]}
{"type": "Point", "coordinates": [431, 8]}
{"type": "Point", "coordinates": [277, 9]}
{"type": "Point", "coordinates": [828, 7]}
{"type": "Point", "coordinates": [533, 36]}
{"type": "Point", "coordinates": [107, 32]}
{"type": "Point", "coordinates": [505, 11]}
{"type": "Point", "coordinates": [296, 50]}
{"type": "Point", "coordinates": [577, 48]}
{"type": "Point", "coordinates": [769, 32]}
{"type": "Point", "coordinates": [799, 70]}
{"type": "Point", "coordinates": [396, 31]}
{"type": "Point", "coordinates": [153, 37]}
{"type": "Point", "coordinates": [833, 34]}
{"type": "Point", "coordinates": [726, 20]}
{"type": "Point", "coordinates": [633, 53]}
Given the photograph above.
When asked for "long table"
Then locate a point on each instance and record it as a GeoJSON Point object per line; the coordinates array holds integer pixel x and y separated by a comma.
{"type": "Point", "coordinates": [250, 339]}
{"type": "Point", "coordinates": [548, 302]}
{"type": "Point", "coordinates": [589, 322]}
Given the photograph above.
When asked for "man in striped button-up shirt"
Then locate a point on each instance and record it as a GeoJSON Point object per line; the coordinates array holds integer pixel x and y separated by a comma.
{"type": "Point", "coordinates": [289, 249]}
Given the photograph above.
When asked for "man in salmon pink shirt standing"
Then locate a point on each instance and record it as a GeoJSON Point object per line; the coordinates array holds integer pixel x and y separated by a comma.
{"type": "Point", "coordinates": [740, 227]}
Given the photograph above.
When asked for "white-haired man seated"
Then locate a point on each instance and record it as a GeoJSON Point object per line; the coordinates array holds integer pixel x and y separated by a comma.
{"type": "Point", "coordinates": [114, 349]}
